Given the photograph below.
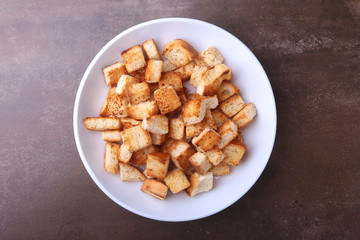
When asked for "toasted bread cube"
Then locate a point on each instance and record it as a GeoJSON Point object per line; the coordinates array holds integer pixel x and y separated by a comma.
{"type": "Point", "coordinates": [124, 82]}
{"type": "Point", "coordinates": [143, 110]}
{"type": "Point", "coordinates": [179, 52]}
{"type": "Point", "coordinates": [212, 57]}
{"type": "Point", "coordinates": [219, 117]}
{"type": "Point", "coordinates": [200, 163]}
{"type": "Point", "coordinates": [176, 180]}
{"type": "Point", "coordinates": [154, 188]}
{"type": "Point", "coordinates": [226, 90]}
{"type": "Point", "coordinates": [151, 50]}
{"type": "Point", "coordinates": [133, 58]}
{"type": "Point", "coordinates": [171, 79]}
{"type": "Point", "coordinates": [193, 111]}
{"type": "Point", "coordinates": [180, 152]}
{"type": "Point", "coordinates": [102, 123]}
{"type": "Point", "coordinates": [215, 156]}
{"type": "Point", "coordinates": [228, 76]}
{"type": "Point", "coordinates": [158, 139]}
{"type": "Point", "coordinates": [194, 130]}
{"type": "Point", "coordinates": [228, 132]}
{"type": "Point", "coordinates": [130, 174]}
{"type": "Point", "coordinates": [211, 101]}
{"type": "Point", "coordinates": [168, 66]}
{"type": "Point", "coordinates": [199, 62]}
{"type": "Point", "coordinates": [167, 99]}
{"type": "Point", "coordinates": [113, 73]}
{"type": "Point", "coordinates": [153, 71]}
{"type": "Point", "coordinates": [139, 157]}
{"type": "Point", "coordinates": [177, 128]}
{"type": "Point", "coordinates": [206, 140]}
{"type": "Point", "coordinates": [245, 116]}
{"type": "Point", "coordinates": [157, 165]}
{"type": "Point", "coordinates": [129, 122]}
{"type": "Point", "coordinates": [136, 138]}
{"type": "Point", "coordinates": [197, 74]}
{"type": "Point", "coordinates": [138, 93]}
{"type": "Point", "coordinates": [234, 153]}
{"type": "Point", "coordinates": [124, 155]}
{"type": "Point", "coordinates": [111, 163]}
{"type": "Point", "coordinates": [211, 80]}
{"type": "Point", "coordinates": [221, 169]}
{"type": "Point", "coordinates": [200, 183]}
{"type": "Point", "coordinates": [114, 105]}
{"type": "Point", "coordinates": [156, 124]}
{"type": "Point", "coordinates": [139, 75]}
{"type": "Point", "coordinates": [232, 105]}
{"type": "Point", "coordinates": [186, 71]}
{"type": "Point", "coordinates": [112, 136]}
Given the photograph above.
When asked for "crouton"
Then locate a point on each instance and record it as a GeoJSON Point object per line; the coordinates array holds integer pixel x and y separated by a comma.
{"type": "Point", "coordinates": [113, 73]}
{"type": "Point", "coordinates": [136, 138]}
{"type": "Point", "coordinates": [124, 82]}
{"type": "Point", "coordinates": [211, 101]}
{"type": "Point", "coordinates": [153, 71]}
{"type": "Point", "coordinates": [129, 122]}
{"type": "Point", "coordinates": [193, 111]}
{"type": "Point", "coordinates": [232, 105]}
{"type": "Point", "coordinates": [176, 181]}
{"type": "Point", "coordinates": [154, 188]}
{"type": "Point", "coordinates": [158, 139]}
{"type": "Point", "coordinates": [167, 99]}
{"type": "Point", "coordinates": [182, 96]}
{"type": "Point", "coordinates": [139, 157]}
{"type": "Point", "coordinates": [138, 93]}
{"type": "Point", "coordinates": [211, 80]}
{"type": "Point", "coordinates": [186, 71]}
{"type": "Point", "coordinates": [171, 79]}
{"type": "Point", "coordinates": [157, 165]}
{"type": "Point", "coordinates": [228, 76]}
{"type": "Point", "coordinates": [111, 163]}
{"type": "Point", "coordinates": [102, 123]}
{"type": "Point", "coordinates": [228, 132]}
{"type": "Point", "coordinates": [234, 153]}
{"type": "Point", "coordinates": [131, 174]}
{"type": "Point", "coordinates": [245, 116]}
{"type": "Point", "coordinates": [219, 117]}
{"type": "Point", "coordinates": [215, 156]}
{"type": "Point", "coordinates": [143, 110]}
{"type": "Point", "coordinates": [206, 140]}
{"type": "Point", "coordinates": [197, 75]}
{"type": "Point", "coordinates": [194, 130]}
{"type": "Point", "coordinates": [168, 66]}
{"type": "Point", "coordinates": [139, 74]}
{"type": "Point", "coordinates": [221, 169]}
{"type": "Point", "coordinates": [151, 50]}
{"type": "Point", "coordinates": [177, 128]}
{"type": "Point", "coordinates": [200, 163]}
{"type": "Point", "coordinates": [179, 52]}
{"type": "Point", "coordinates": [114, 105]}
{"type": "Point", "coordinates": [112, 136]}
{"type": "Point", "coordinates": [199, 183]}
{"type": "Point", "coordinates": [133, 58]}
{"type": "Point", "coordinates": [212, 57]}
{"type": "Point", "coordinates": [199, 62]}
{"type": "Point", "coordinates": [124, 155]}
{"type": "Point", "coordinates": [226, 90]}
{"type": "Point", "coordinates": [180, 152]}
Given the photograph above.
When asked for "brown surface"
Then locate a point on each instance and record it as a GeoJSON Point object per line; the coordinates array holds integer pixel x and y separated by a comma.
{"type": "Point", "coordinates": [310, 188]}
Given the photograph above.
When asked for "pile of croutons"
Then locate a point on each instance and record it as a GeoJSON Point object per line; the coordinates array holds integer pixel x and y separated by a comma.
{"type": "Point", "coordinates": [150, 120]}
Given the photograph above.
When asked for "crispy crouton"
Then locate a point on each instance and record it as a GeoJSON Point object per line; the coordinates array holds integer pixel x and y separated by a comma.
{"type": "Point", "coordinates": [136, 138]}
{"type": "Point", "coordinates": [114, 105]}
{"type": "Point", "coordinates": [176, 129]}
{"type": "Point", "coordinates": [138, 93]}
{"type": "Point", "coordinates": [219, 117]}
{"type": "Point", "coordinates": [153, 71]}
{"type": "Point", "coordinates": [156, 124]}
{"type": "Point", "coordinates": [212, 57]}
{"type": "Point", "coordinates": [232, 105]}
{"type": "Point", "coordinates": [215, 156]}
{"type": "Point", "coordinates": [143, 110]}
{"type": "Point", "coordinates": [211, 101]}
{"type": "Point", "coordinates": [139, 74]}
{"type": "Point", "coordinates": [228, 132]}
{"type": "Point", "coordinates": [186, 71]}
{"type": "Point", "coordinates": [124, 82]}
{"type": "Point", "coordinates": [199, 183]}
{"type": "Point", "coordinates": [167, 99]}
{"type": "Point", "coordinates": [179, 52]}
{"type": "Point", "coordinates": [139, 157]}
{"type": "Point", "coordinates": [206, 140]}
{"type": "Point", "coordinates": [199, 62]}
{"type": "Point", "coordinates": [234, 153]}
{"type": "Point", "coordinates": [194, 130]}
{"type": "Point", "coordinates": [157, 165]}
{"type": "Point", "coordinates": [154, 188]}
{"type": "Point", "coordinates": [193, 111]}
{"type": "Point", "coordinates": [112, 136]}
{"type": "Point", "coordinates": [171, 79]}
{"type": "Point", "coordinates": [226, 90]}
{"type": "Point", "coordinates": [129, 122]}
{"type": "Point", "coordinates": [168, 66]}
{"type": "Point", "coordinates": [200, 163]}
{"type": "Point", "coordinates": [111, 162]}
{"type": "Point", "coordinates": [158, 139]}
{"type": "Point", "coordinates": [102, 123]}
{"type": "Point", "coordinates": [212, 79]}
{"type": "Point", "coordinates": [133, 58]}
{"type": "Point", "coordinates": [221, 169]}
{"type": "Point", "coordinates": [131, 174]}
{"type": "Point", "coordinates": [245, 116]}
{"type": "Point", "coordinates": [124, 155]}
{"type": "Point", "coordinates": [151, 50]}
{"type": "Point", "coordinates": [113, 73]}
{"type": "Point", "coordinates": [197, 74]}
{"type": "Point", "coordinates": [180, 152]}
{"type": "Point", "coordinates": [176, 181]}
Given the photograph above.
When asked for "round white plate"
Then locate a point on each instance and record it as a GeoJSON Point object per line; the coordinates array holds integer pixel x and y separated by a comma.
{"type": "Point", "coordinates": [259, 136]}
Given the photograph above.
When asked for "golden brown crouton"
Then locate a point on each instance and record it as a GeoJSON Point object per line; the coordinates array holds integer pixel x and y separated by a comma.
{"type": "Point", "coordinates": [197, 74]}
{"type": "Point", "coordinates": [112, 136]}
{"type": "Point", "coordinates": [124, 82]}
{"type": "Point", "coordinates": [139, 157]}
{"type": "Point", "coordinates": [114, 105]}
{"type": "Point", "coordinates": [171, 79]}
{"type": "Point", "coordinates": [158, 139]}
{"type": "Point", "coordinates": [156, 124]}
{"type": "Point", "coordinates": [176, 181]}
{"type": "Point", "coordinates": [232, 105]}
{"type": "Point", "coordinates": [226, 90]}
{"type": "Point", "coordinates": [151, 50]}
{"type": "Point", "coordinates": [157, 165]}
{"type": "Point", "coordinates": [138, 93]}
{"type": "Point", "coordinates": [212, 79]}
{"type": "Point", "coordinates": [154, 188]}
{"type": "Point", "coordinates": [194, 130]}
{"type": "Point", "coordinates": [221, 169]}
{"type": "Point", "coordinates": [206, 140]}
{"type": "Point", "coordinates": [212, 57]}
{"type": "Point", "coordinates": [219, 117]}
{"type": "Point", "coordinates": [139, 74]}
{"type": "Point", "coordinates": [200, 163]}
{"type": "Point", "coordinates": [113, 73]}
{"type": "Point", "coordinates": [130, 174]}
{"type": "Point", "coordinates": [136, 138]}
{"type": "Point", "coordinates": [215, 156]}
{"type": "Point", "coordinates": [228, 132]}
{"type": "Point", "coordinates": [186, 71]}
{"type": "Point", "coordinates": [124, 155]}
{"type": "Point", "coordinates": [102, 123]}
{"type": "Point", "coordinates": [199, 183]}
{"type": "Point", "coordinates": [153, 71]}
{"type": "Point", "coordinates": [133, 58]}
{"type": "Point", "coordinates": [245, 116]}
{"type": "Point", "coordinates": [167, 66]}
{"type": "Point", "coordinates": [111, 163]}
{"type": "Point", "coordinates": [129, 122]}
{"type": "Point", "coordinates": [193, 111]}
{"type": "Point", "coordinates": [179, 52]}
{"type": "Point", "coordinates": [180, 152]}
{"type": "Point", "coordinates": [143, 110]}
{"type": "Point", "coordinates": [177, 128]}
{"type": "Point", "coordinates": [167, 99]}
{"type": "Point", "coordinates": [234, 153]}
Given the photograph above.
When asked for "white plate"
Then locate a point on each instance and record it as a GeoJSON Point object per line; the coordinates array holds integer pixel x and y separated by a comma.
{"type": "Point", "coordinates": [259, 136]}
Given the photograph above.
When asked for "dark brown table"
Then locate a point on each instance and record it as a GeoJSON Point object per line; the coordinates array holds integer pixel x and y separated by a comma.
{"type": "Point", "coordinates": [310, 188]}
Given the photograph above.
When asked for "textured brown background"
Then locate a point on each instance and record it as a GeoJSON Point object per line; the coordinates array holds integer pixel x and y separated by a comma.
{"type": "Point", "coordinates": [310, 188]}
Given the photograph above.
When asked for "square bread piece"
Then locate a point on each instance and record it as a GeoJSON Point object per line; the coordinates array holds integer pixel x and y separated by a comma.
{"type": "Point", "coordinates": [124, 82]}
{"type": "Point", "coordinates": [186, 71]}
{"type": "Point", "coordinates": [111, 163]}
{"type": "Point", "coordinates": [226, 90]}
{"type": "Point", "coordinates": [179, 52]}
{"type": "Point", "coordinates": [180, 152]}
{"type": "Point", "coordinates": [221, 169]}
{"type": "Point", "coordinates": [154, 188]}
{"type": "Point", "coordinates": [157, 165]}
{"type": "Point", "coordinates": [153, 71]}
{"type": "Point", "coordinates": [194, 130]}
{"type": "Point", "coordinates": [139, 74]}
{"type": "Point", "coordinates": [211, 80]}
{"type": "Point", "coordinates": [232, 106]}
{"type": "Point", "coordinates": [219, 117]}
{"type": "Point", "coordinates": [139, 157]}
{"type": "Point", "coordinates": [142, 110]}
{"type": "Point", "coordinates": [102, 123]}
{"type": "Point", "coordinates": [234, 153]}
{"type": "Point", "coordinates": [228, 132]}
{"type": "Point", "coordinates": [114, 105]}
{"type": "Point", "coordinates": [200, 163]}
{"type": "Point", "coordinates": [176, 180]}
{"type": "Point", "coordinates": [246, 115]}
{"type": "Point", "coordinates": [113, 73]}
{"type": "Point", "coordinates": [211, 101]}
{"type": "Point", "coordinates": [212, 57]}
{"type": "Point", "coordinates": [158, 139]}
{"type": "Point", "coordinates": [151, 50]}
{"type": "Point", "coordinates": [156, 124]}
{"type": "Point", "coordinates": [197, 75]}
{"type": "Point", "coordinates": [168, 66]}
{"type": "Point", "coordinates": [206, 140]}
{"type": "Point", "coordinates": [171, 79]}
{"type": "Point", "coordinates": [136, 138]}
{"type": "Point", "coordinates": [167, 99]}
{"type": "Point", "coordinates": [215, 156]}
{"type": "Point", "coordinates": [193, 111]}
{"type": "Point", "coordinates": [199, 183]}
{"type": "Point", "coordinates": [112, 136]}
{"type": "Point", "coordinates": [177, 129]}
{"type": "Point", "coordinates": [133, 58]}
{"type": "Point", "coordinates": [138, 93]}
{"type": "Point", "coordinates": [131, 174]}
{"type": "Point", "coordinates": [124, 155]}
